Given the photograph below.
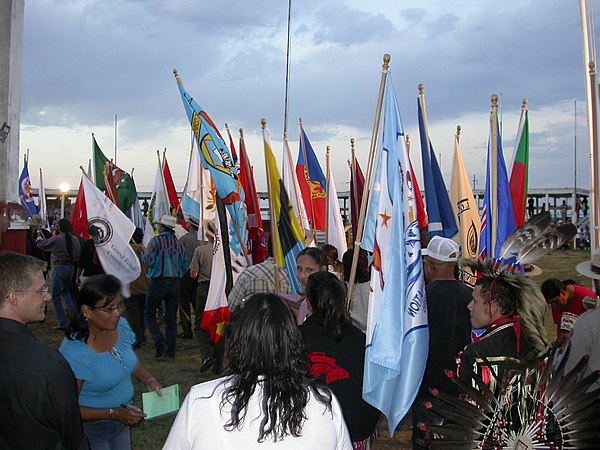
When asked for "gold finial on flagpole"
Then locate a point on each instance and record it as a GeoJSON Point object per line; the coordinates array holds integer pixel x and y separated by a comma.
{"type": "Point", "coordinates": [263, 122]}
{"type": "Point", "coordinates": [242, 133]}
{"type": "Point", "coordinates": [352, 142]}
{"type": "Point", "coordinates": [524, 103]}
{"type": "Point", "coordinates": [458, 128]}
{"type": "Point", "coordinates": [421, 88]}
{"type": "Point", "coordinates": [494, 100]}
{"type": "Point", "coordinates": [386, 61]}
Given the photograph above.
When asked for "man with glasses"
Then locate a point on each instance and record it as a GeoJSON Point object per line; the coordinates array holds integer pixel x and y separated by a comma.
{"type": "Point", "coordinates": [38, 392]}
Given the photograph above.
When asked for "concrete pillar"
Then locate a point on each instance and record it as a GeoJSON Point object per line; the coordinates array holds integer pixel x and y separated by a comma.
{"type": "Point", "coordinates": [12, 226]}
{"type": "Point", "coordinates": [11, 47]}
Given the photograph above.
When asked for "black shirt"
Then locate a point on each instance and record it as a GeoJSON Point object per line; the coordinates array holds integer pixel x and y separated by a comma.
{"type": "Point", "coordinates": [340, 366]}
{"type": "Point", "coordinates": [38, 394]}
{"type": "Point", "coordinates": [449, 331]}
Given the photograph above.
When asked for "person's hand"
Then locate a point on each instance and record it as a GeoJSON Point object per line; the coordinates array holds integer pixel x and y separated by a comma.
{"type": "Point", "coordinates": [128, 415]}
{"type": "Point", "coordinates": [153, 385]}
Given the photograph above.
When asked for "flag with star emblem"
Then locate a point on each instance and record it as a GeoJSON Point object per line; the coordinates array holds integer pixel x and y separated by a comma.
{"type": "Point", "coordinates": [397, 330]}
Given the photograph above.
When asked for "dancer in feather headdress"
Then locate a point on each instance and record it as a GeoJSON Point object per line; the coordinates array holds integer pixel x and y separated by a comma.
{"type": "Point", "coordinates": [512, 396]}
{"type": "Point", "coordinates": [510, 308]}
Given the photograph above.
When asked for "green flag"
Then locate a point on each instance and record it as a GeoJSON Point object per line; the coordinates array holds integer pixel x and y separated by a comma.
{"type": "Point", "coordinates": [100, 160]}
{"type": "Point", "coordinates": [126, 190]}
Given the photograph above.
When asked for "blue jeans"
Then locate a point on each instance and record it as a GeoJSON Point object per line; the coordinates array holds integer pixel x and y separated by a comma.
{"type": "Point", "coordinates": [107, 435]}
{"type": "Point", "coordinates": [160, 289]}
{"type": "Point", "coordinates": [62, 277]}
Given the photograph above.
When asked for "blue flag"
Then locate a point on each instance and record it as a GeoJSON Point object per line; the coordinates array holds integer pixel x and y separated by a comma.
{"type": "Point", "coordinates": [313, 183]}
{"type": "Point", "coordinates": [397, 329]}
{"type": "Point", "coordinates": [439, 210]}
{"type": "Point", "coordinates": [216, 158]}
{"type": "Point", "coordinates": [498, 219]}
{"type": "Point", "coordinates": [25, 193]}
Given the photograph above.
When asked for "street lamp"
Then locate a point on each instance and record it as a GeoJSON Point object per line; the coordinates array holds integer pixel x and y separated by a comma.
{"type": "Point", "coordinates": [64, 188]}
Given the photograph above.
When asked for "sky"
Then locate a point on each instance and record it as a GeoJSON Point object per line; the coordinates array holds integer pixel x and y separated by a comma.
{"type": "Point", "coordinates": [85, 61]}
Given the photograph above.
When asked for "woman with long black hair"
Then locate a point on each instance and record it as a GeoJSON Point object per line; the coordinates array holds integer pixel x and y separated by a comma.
{"type": "Point", "coordinates": [267, 398]}
{"type": "Point", "coordinates": [337, 353]}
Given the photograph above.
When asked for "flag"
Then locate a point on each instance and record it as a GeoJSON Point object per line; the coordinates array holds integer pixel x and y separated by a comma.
{"type": "Point", "coordinates": [112, 241]}
{"type": "Point", "coordinates": [111, 188]}
{"type": "Point", "coordinates": [519, 174]}
{"type": "Point", "coordinates": [466, 213]}
{"type": "Point", "coordinates": [312, 182]}
{"type": "Point", "coordinates": [124, 185]}
{"type": "Point", "coordinates": [216, 314]}
{"type": "Point", "coordinates": [159, 204]}
{"type": "Point", "coordinates": [421, 213]}
{"type": "Point", "coordinates": [290, 182]}
{"type": "Point", "coordinates": [79, 215]}
{"type": "Point", "coordinates": [287, 237]}
{"type": "Point", "coordinates": [100, 161]}
{"type": "Point", "coordinates": [170, 185]}
{"type": "Point", "coordinates": [497, 219]}
{"type": "Point", "coordinates": [256, 233]}
{"type": "Point", "coordinates": [439, 210]}
{"type": "Point", "coordinates": [397, 330]}
{"type": "Point", "coordinates": [336, 234]}
{"type": "Point", "coordinates": [215, 157]}
{"type": "Point", "coordinates": [25, 194]}
{"type": "Point", "coordinates": [357, 184]}
{"type": "Point", "coordinates": [42, 205]}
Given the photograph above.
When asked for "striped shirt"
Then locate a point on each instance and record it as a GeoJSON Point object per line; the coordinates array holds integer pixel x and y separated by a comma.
{"type": "Point", "coordinates": [258, 279]}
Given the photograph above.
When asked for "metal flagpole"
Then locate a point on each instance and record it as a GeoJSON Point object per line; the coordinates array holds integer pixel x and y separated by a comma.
{"type": "Point", "coordinates": [589, 60]}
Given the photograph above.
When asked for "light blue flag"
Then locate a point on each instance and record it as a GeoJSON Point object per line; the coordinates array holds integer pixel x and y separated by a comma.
{"type": "Point", "coordinates": [216, 158]}
{"type": "Point", "coordinates": [439, 209]}
{"type": "Point", "coordinates": [397, 329]}
{"type": "Point", "coordinates": [503, 209]}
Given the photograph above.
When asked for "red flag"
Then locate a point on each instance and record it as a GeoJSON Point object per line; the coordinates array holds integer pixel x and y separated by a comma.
{"type": "Point", "coordinates": [256, 234]}
{"type": "Point", "coordinates": [170, 185]}
{"type": "Point", "coordinates": [79, 215]}
{"type": "Point", "coordinates": [232, 147]}
{"type": "Point", "coordinates": [111, 188]}
{"type": "Point", "coordinates": [313, 184]}
{"type": "Point", "coordinates": [357, 184]}
{"type": "Point", "coordinates": [518, 183]}
{"type": "Point", "coordinates": [421, 212]}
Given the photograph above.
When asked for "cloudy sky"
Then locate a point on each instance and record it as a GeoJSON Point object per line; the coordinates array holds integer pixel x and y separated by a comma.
{"type": "Point", "coordinates": [85, 61]}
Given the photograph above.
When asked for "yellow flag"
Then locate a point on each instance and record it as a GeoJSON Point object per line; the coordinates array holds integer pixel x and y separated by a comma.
{"type": "Point", "coordinates": [466, 212]}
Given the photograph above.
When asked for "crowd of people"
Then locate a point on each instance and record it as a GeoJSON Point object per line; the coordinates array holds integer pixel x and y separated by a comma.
{"type": "Point", "coordinates": [290, 368]}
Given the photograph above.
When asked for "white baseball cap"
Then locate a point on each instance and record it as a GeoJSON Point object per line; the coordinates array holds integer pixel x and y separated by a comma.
{"type": "Point", "coordinates": [442, 249]}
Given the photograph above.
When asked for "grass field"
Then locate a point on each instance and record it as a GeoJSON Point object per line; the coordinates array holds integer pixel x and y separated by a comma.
{"type": "Point", "coordinates": [185, 368]}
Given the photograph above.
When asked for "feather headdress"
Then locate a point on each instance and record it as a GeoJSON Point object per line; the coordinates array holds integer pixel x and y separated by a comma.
{"type": "Point", "coordinates": [534, 239]}
{"type": "Point", "coordinates": [539, 407]}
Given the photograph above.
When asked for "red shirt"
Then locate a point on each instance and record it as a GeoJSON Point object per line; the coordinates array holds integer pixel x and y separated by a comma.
{"type": "Point", "coordinates": [575, 305]}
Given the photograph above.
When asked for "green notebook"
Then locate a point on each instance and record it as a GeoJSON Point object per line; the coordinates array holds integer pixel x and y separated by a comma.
{"type": "Point", "coordinates": [156, 407]}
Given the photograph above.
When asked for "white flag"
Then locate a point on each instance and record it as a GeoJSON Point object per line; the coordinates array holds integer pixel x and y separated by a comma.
{"type": "Point", "coordinates": [114, 232]}
{"type": "Point", "coordinates": [290, 182]}
{"type": "Point", "coordinates": [42, 208]}
{"type": "Point", "coordinates": [159, 204]}
{"type": "Point", "coordinates": [335, 227]}
{"type": "Point", "coordinates": [216, 312]}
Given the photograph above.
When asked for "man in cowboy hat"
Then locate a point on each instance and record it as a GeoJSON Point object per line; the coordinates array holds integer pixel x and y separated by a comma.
{"type": "Point", "coordinates": [167, 263]}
